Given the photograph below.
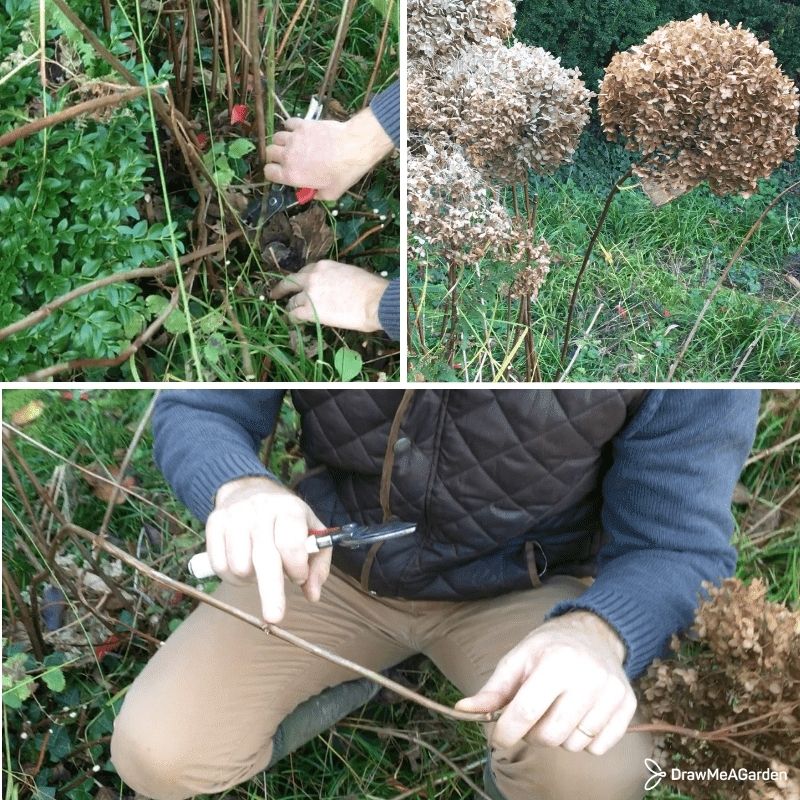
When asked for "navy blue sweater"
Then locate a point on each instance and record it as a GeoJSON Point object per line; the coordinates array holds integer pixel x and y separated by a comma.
{"type": "Point", "coordinates": [666, 496]}
{"type": "Point", "coordinates": [386, 108]}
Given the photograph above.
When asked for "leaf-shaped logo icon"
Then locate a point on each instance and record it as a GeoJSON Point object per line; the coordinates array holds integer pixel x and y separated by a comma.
{"type": "Point", "coordinates": [656, 774]}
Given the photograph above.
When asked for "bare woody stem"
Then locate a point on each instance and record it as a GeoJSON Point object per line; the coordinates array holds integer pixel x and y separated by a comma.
{"type": "Point", "coordinates": [586, 256]}
{"type": "Point", "coordinates": [130, 351]}
{"type": "Point", "coordinates": [142, 272]}
{"type": "Point", "coordinates": [278, 632]}
{"type": "Point", "coordinates": [88, 107]}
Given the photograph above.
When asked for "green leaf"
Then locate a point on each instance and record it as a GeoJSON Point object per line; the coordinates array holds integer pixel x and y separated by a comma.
{"type": "Point", "coordinates": [240, 147]}
{"type": "Point", "coordinates": [155, 304]}
{"type": "Point", "coordinates": [176, 322]}
{"type": "Point", "coordinates": [54, 678]}
{"type": "Point", "coordinates": [347, 363]}
{"type": "Point", "coordinates": [60, 745]}
{"type": "Point", "coordinates": [211, 321]}
{"type": "Point", "coordinates": [213, 348]}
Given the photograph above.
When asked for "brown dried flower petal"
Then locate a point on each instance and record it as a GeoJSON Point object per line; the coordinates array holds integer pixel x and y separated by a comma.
{"type": "Point", "coordinates": [511, 108]}
{"type": "Point", "coordinates": [702, 101]}
{"type": "Point", "coordinates": [439, 28]}
{"type": "Point", "coordinates": [530, 279]}
{"type": "Point", "coordinates": [745, 666]}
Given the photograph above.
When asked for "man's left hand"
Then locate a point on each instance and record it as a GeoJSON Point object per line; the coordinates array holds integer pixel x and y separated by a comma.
{"type": "Point", "coordinates": [562, 685]}
{"type": "Point", "coordinates": [338, 295]}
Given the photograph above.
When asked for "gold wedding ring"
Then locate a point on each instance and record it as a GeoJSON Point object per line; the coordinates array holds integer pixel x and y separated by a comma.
{"type": "Point", "coordinates": [587, 733]}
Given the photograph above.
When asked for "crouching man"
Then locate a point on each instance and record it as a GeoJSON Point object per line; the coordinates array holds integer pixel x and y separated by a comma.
{"type": "Point", "coordinates": [562, 538]}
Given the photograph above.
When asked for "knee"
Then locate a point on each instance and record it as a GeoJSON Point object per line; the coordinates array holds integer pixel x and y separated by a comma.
{"type": "Point", "coordinates": [532, 772]}
{"type": "Point", "coordinates": [147, 761]}
{"type": "Point", "coordinates": [166, 756]}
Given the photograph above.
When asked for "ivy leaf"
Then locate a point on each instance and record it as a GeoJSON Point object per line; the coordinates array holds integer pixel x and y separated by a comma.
{"type": "Point", "coordinates": [240, 147]}
{"type": "Point", "coordinates": [347, 363]}
{"type": "Point", "coordinates": [59, 746]}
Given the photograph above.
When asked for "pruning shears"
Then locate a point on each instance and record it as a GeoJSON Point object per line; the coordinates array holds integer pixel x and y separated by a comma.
{"type": "Point", "coordinates": [262, 208]}
{"type": "Point", "coordinates": [352, 536]}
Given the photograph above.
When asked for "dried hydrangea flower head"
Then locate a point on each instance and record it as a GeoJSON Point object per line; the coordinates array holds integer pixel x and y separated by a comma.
{"type": "Point", "coordinates": [702, 101]}
{"type": "Point", "coordinates": [530, 279]}
{"type": "Point", "coordinates": [450, 208]}
{"type": "Point", "coordinates": [744, 672]}
{"type": "Point", "coordinates": [510, 108]}
{"type": "Point", "coordinates": [438, 28]}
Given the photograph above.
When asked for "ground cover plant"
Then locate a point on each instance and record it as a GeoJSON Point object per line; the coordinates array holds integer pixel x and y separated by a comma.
{"type": "Point", "coordinates": [123, 255]}
{"type": "Point", "coordinates": [73, 643]}
{"type": "Point", "coordinates": [685, 269]}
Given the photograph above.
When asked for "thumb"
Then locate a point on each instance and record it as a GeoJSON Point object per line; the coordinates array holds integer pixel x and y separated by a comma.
{"type": "Point", "coordinates": [499, 690]}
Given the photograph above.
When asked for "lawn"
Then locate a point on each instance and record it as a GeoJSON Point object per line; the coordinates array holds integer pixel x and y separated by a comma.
{"type": "Point", "coordinates": [645, 286]}
{"type": "Point", "coordinates": [123, 255]}
{"type": "Point", "coordinates": [59, 703]}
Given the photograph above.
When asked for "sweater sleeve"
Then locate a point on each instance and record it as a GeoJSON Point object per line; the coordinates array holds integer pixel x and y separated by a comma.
{"type": "Point", "coordinates": [667, 514]}
{"type": "Point", "coordinates": [389, 310]}
{"type": "Point", "coordinates": [386, 108]}
{"type": "Point", "coordinates": [204, 438]}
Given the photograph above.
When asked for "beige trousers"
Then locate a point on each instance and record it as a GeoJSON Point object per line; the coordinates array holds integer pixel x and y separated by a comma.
{"type": "Point", "coordinates": [201, 716]}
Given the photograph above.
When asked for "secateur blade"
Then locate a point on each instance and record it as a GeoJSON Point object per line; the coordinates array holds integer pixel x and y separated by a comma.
{"type": "Point", "coordinates": [354, 535]}
{"type": "Point", "coordinates": [281, 198]}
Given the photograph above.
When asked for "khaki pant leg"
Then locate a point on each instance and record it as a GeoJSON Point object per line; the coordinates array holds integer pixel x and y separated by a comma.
{"type": "Point", "coordinates": [466, 645]}
{"type": "Point", "coordinates": [201, 715]}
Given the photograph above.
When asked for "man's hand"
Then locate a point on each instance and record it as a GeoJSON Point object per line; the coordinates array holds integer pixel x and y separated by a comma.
{"type": "Point", "coordinates": [564, 684]}
{"type": "Point", "coordinates": [326, 155]}
{"type": "Point", "coordinates": [338, 295]}
{"type": "Point", "coordinates": [258, 529]}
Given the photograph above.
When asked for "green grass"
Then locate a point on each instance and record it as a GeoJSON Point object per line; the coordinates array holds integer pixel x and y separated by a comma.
{"type": "Point", "coordinates": [344, 762]}
{"type": "Point", "coordinates": [649, 276]}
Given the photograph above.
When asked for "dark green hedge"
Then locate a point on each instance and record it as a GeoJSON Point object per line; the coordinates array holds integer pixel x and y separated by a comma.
{"type": "Point", "coordinates": [587, 33]}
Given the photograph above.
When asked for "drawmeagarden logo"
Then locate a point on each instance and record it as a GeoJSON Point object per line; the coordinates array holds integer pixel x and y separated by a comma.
{"type": "Point", "coordinates": [656, 774]}
{"type": "Point", "coordinates": [741, 774]}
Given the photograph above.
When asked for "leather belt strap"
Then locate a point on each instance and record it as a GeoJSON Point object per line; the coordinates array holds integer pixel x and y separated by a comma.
{"type": "Point", "coordinates": [386, 481]}
{"type": "Point", "coordinates": [388, 458]}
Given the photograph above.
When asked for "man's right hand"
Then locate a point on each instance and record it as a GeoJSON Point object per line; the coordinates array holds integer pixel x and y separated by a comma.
{"type": "Point", "coordinates": [258, 530]}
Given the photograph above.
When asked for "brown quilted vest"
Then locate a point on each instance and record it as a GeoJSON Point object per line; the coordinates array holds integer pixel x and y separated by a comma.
{"type": "Point", "coordinates": [504, 485]}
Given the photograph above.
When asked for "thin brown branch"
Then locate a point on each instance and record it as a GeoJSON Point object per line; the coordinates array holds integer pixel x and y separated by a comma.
{"type": "Point", "coordinates": [258, 92]}
{"type": "Point", "coordinates": [128, 352]}
{"type": "Point", "coordinates": [724, 275]}
{"type": "Point", "coordinates": [189, 24]}
{"type": "Point", "coordinates": [87, 107]}
{"type": "Point", "coordinates": [215, 26]}
{"type": "Point", "coordinates": [123, 467]}
{"type": "Point", "coordinates": [365, 235]}
{"type": "Point", "coordinates": [275, 630]}
{"type": "Point", "coordinates": [336, 52]}
{"type": "Point", "coordinates": [31, 626]}
{"type": "Point", "coordinates": [227, 49]}
{"type": "Point", "coordinates": [134, 274]}
{"type": "Point", "coordinates": [769, 451]}
{"type": "Point", "coordinates": [11, 429]}
{"type": "Point", "coordinates": [288, 32]}
{"type": "Point", "coordinates": [381, 48]}
{"type": "Point", "coordinates": [106, 4]}
{"type": "Point", "coordinates": [586, 256]}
